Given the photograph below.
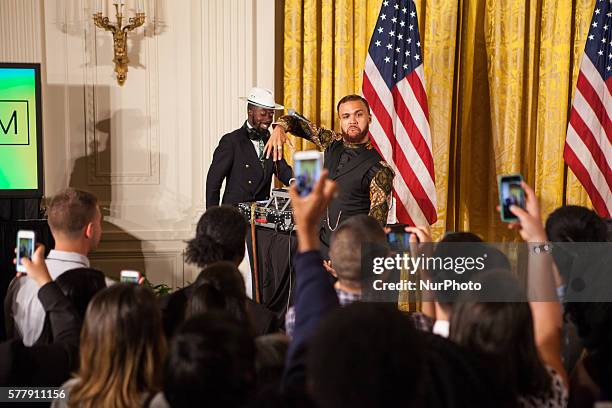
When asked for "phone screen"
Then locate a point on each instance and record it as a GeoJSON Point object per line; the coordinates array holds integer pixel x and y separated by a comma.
{"type": "Point", "coordinates": [307, 172]}
{"type": "Point", "coordinates": [129, 279]}
{"type": "Point", "coordinates": [511, 193]}
{"type": "Point", "coordinates": [398, 241]}
{"type": "Point", "coordinates": [398, 238]}
{"type": "Point", "coordinates": [25, 249]}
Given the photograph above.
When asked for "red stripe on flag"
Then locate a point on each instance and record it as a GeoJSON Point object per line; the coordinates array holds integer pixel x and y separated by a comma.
{"type": "Point", "coordinates": [406, 172]}
{"type": "Point", "coordinates": [399, 158]}
{"type": "Point", "coordinates": [419, 92]}
{"type": "Point", "coordinates": [589, 141]}
{"type": "Point", "coordinates": [592, 98]}
{"type": "Point", "coordinates": [412, 130]}
{"type": "Point", "coordinates": [583, 175]}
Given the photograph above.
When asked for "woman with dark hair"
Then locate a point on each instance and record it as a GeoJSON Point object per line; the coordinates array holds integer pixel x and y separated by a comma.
{"type": "Point", "coordinates": [591, 379]}
{"type": "Point", "coordinates": [567, 227]}
{"type": "Point", "coordinates": [573, 223]}
{"type": "Point", "coordinates": [210, 363]}
{"type": "Point", "coordinates": [219, 287]}
{"type": "Point", "coordinates": [220, 236]}
{"type": "Point", "coordinates": [521, 341]}
{"type": "Point", "coordinates": [502, 335]}
{"type": "Point", "coordinates": [122, 350]}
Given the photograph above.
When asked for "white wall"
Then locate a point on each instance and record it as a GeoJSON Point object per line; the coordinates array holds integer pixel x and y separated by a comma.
{"type": "Point", "coordinates": [143, 148]}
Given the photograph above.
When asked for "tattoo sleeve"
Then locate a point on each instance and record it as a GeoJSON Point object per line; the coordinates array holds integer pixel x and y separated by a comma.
{"type": "Point", "coordinates": [320, 136]}
{"type": "Point", "coordinates": [380, 193]}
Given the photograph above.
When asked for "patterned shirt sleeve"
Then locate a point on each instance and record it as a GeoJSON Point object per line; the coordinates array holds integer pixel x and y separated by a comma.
{"type": "Point", "coordinates": [380, 193]}
{"type": "Point", "coordinates": [320, 136]}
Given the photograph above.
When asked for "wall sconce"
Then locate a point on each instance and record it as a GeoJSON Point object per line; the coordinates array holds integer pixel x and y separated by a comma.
{"type": "Point", "coordinates": [120, 33]}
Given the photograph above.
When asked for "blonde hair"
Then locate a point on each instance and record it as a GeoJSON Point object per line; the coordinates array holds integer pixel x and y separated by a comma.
{"type": "Point", "coordinates": [122, 349]}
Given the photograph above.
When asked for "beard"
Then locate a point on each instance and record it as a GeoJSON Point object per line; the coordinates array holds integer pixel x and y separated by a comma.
{"type": "Point", "coordinates": [357, 138]}
{"type": "Point", "coordinates": [259, 124]}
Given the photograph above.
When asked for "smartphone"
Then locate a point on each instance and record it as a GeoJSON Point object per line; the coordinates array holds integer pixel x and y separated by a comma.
{"type": "Point", "coordinates": [130, 277]}
{"type": "Point", "coordinates": [307, 166]}
{"type": "Point", "coordinates": [26, 242]}
{"type": "Point", "coordinates": [510, 193]}
{"type": "Point", "coordinates": [398, 238]}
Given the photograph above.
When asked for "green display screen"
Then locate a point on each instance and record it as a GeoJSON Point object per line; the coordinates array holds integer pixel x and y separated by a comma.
{"type": "Point", "coordinates": [20, 131]}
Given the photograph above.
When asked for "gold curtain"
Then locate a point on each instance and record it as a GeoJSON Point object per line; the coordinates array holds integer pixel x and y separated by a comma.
{"type": "Point", "coordinates": [499, 78]}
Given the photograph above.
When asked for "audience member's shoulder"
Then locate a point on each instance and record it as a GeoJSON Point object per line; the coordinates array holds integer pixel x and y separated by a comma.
{"type": "Point", "coordinates": [585, 390]}
{"type": "Point", "coordinates": [421, 321]}
{"type": "Point", "coordinates": [457, 356]}
{"type": "Point", "coordinates": [65, 390]}
{"type": "Point", "coordinates": [23, 288]}
{"type": "Point", "coordinates": [18, 283]}
{"type": "Point", "coordinates": [159, 401]}
{"type": "Point", "coordinates": [450, 363]}
{"type": "Point", "coordinates": [69, 385]}
{"type": "Point", "coordinates": [179, 296]}
{"type": "Point", "coordinates": [173, 308]}
{"type": "Point", "coordinates": [14, 287]}
{"type": "Point", "coordinates": [263, 320]}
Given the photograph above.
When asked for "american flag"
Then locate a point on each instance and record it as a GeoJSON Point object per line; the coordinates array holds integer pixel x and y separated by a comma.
{"type": "Point", "coordinates": [588, 145]}
{"type": "Point", "coordinates": [394, 86]}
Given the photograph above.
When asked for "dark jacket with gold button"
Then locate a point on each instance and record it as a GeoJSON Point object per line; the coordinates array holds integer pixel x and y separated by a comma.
{"type": "Point", "coordinates": [246, 177]}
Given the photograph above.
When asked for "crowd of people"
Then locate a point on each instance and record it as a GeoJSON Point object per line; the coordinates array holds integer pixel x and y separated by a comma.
{"type": "Point", "coordinates": [110, 344]}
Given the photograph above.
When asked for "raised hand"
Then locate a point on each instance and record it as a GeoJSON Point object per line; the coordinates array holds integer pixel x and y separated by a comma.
{"type": "Point", "coordinates": [530, 223]}
{"type": "Point", "coordinates": [308, 211]}
{"type": "Point", "coordinates": [420, 239]}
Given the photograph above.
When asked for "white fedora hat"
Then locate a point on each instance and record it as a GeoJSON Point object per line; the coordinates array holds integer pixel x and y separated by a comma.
{"type": "Point", "coordinates": [262, 98]}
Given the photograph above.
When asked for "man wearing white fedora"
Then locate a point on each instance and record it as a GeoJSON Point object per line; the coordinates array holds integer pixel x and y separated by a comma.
{"type": "Point", "coordinates": [239, 159]}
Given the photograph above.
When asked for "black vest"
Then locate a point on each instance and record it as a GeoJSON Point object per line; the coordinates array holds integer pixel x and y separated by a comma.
{"type": "Point", "coordinates": [353, 198]}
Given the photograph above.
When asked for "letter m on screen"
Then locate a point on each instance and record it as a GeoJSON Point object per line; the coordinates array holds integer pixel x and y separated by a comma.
{"type": "Point", "coordinates": [14, 122]}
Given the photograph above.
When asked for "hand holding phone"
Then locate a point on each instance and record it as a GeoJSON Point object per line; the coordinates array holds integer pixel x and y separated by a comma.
{"type": "Point", "coordinates": [26, 242]}
{"type": "Point", "coordinates": [308, 166]}
{"type": "Point", "coordinates": [529, 222]}
{"type": "Point", "coordinates": [398, 238]}
{"type": "Point", "coordinates": [36, 267]}
{"type": "Point", "coordinates": [309, 209]}
{"type": "Point", "coordinates": [511, 193]}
